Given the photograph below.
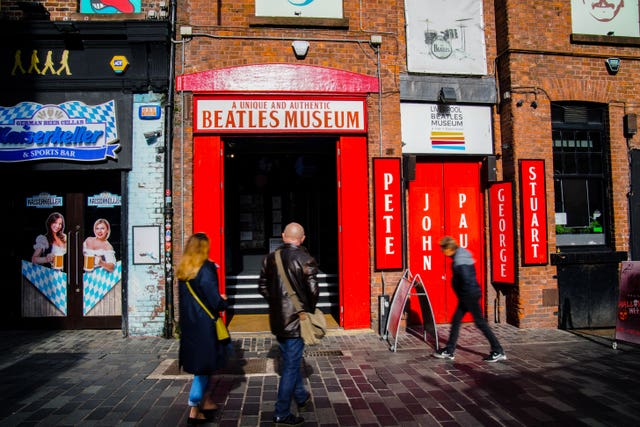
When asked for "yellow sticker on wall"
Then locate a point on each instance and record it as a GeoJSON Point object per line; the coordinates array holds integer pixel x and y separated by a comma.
{"type": "Point", "coordinates": [119, 64]}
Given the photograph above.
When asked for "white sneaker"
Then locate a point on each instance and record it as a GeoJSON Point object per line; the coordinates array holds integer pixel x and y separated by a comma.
{"type": "Point", "coordinates": [494, 356]}
{"type": "Point", "coordinates": [443, 354]}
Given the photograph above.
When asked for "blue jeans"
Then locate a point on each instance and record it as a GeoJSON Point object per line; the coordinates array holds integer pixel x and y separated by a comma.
{"type": "Point", "coordinates": [198, 387]}
{"type": "Point", "coordinates": [291, 385]}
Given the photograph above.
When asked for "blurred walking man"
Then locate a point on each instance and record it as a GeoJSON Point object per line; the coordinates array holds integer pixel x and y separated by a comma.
{"type": "Point", "coordinates": [468, 291]}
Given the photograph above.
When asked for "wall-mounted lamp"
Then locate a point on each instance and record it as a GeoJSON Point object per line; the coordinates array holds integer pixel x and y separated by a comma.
{"type": "Point", "coordinates": [630, 124]}
{"type": "Point", "coordinates": [447, 95]}
{"type": "Point", "coordinates": [70, 34]}
{"type": "Point", "coordinates": [534, 105]}
{"type": "Point", "coordinates": [519, 103]}
{"type": "Point", "coordinates": [65, 27]}
{"type": "Point", "coordinates": [300, 48]}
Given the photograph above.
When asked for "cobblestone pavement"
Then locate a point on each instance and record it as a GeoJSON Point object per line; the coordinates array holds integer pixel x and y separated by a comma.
{"type": "Point", "coordinates": [99, 378]}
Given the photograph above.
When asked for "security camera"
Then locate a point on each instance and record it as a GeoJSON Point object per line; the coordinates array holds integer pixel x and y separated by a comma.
{"type": "Point", "coordinates": [152, 134]}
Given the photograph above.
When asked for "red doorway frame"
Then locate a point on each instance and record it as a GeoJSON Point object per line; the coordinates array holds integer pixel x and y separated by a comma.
{"type": "Point", "coordinates": [351, 160]}
{"type": "Point", "coordinates": [353, 232]}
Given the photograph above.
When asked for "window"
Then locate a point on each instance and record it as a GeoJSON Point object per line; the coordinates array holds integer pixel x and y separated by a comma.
{"type": "Point", "coordinates": [580, 168]}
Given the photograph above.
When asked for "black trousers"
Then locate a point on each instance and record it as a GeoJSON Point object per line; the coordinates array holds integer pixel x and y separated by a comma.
{"type": "Point", "coordinates": [471, 305]}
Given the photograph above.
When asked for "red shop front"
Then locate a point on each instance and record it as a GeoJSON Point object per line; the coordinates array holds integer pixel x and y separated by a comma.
{"type": "Point", "coordinates": [448, 145]}
{"type": "Point", "coordinates": [445, 199]}
{"type": "Point", "coordinates": [289, 145]}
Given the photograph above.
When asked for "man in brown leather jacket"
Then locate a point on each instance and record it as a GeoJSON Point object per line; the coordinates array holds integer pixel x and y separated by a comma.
{"type": "Point", "coordinates": [301, 270]}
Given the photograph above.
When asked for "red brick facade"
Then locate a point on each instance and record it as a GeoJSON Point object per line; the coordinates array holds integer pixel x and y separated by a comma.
{"type": "Point", "coordinates": [530, 52]}
{"type": "Point", "coordinates": [537, 61]}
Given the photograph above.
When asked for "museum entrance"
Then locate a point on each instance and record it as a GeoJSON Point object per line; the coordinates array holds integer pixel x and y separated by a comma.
{"type": "Point", "coordinates": [270, 182]}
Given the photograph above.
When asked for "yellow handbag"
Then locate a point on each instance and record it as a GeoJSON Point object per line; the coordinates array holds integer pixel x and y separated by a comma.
{"type": "Point", "coordinates": [221, 329]}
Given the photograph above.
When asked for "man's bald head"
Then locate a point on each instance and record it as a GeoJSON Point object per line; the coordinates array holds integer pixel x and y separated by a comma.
{"type": "Point", "coordinates": [293, 233]}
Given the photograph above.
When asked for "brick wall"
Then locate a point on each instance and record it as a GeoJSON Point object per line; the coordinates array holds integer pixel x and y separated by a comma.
{"type": "Point", "coordinates": [538, 62]}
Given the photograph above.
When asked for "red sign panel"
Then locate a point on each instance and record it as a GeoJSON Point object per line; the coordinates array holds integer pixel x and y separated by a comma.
{"type": "Point", "coordinates": [388, 213]}
{"type": "Point", "coordinates": [502, 233]}
{"type": "Point", "coordinates": [534, 212]}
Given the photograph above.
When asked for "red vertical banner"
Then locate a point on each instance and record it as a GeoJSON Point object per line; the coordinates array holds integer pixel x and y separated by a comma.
{"type": "Point", "coordinates": [502, 233]}
{"type": "Point", "coordinates": [388, 213]}
{"type": "Point", "coordinates": [533, 204]}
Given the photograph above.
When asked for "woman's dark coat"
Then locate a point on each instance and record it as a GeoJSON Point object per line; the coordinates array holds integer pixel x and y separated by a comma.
{"type": "Point", "coordinates": [200, 352]}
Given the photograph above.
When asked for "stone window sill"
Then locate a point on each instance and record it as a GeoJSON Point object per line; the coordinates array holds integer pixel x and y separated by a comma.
{"type": "Point", "coordinates": [605, 40]}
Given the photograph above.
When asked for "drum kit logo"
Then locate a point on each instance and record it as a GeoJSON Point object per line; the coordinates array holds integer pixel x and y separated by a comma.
{"type": "Point", "coordinates": [442, 44]}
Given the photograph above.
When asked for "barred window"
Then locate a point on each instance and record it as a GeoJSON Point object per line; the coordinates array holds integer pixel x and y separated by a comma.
{"type": "Point", "coordinates": [580, 166]}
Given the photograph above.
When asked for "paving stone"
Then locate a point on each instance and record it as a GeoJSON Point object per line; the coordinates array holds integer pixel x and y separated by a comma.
{"type": "Point", "coordinates": [100, 378]}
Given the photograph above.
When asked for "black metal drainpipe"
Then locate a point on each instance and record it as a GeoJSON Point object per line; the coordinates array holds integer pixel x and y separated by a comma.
{"type": "Point", "coordinates": [168, 180]}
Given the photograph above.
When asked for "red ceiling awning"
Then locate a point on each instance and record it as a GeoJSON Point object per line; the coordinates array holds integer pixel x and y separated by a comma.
{"type": "Point", "coordinates": [277, 78]}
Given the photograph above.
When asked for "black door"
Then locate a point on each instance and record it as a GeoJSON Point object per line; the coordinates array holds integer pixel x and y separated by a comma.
{"type": "Point", "coordinates": [50, 286]}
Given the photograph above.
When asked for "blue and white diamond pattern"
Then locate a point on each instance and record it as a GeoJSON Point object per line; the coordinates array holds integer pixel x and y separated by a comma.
{"type": "Point", "coordinates": [52, 283]}
{"type": "Point", "coordinates": [97, 283]}
{"type": "Point", "coordinates": [103, 113]}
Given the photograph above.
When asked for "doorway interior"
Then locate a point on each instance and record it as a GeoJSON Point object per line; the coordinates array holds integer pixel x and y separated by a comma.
{"type": "Point", "coordinates": [268, 183]}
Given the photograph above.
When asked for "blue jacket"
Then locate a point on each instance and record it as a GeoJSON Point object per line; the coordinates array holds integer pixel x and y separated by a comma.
{"type": "Point", "coordinates": [464, 281]}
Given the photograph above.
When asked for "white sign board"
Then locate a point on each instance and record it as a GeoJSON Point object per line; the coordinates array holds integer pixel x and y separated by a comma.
{"type": "Point", "coordinates": [300, 8]}
{"type": "Point", "coordinates": [445, 36]}
{"type": "Point", "coordinates": [445, 129]}
{"type": "Point", "coordinates": [613, 17]}
{"type": "Point", "coordinates": [280, 115]}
